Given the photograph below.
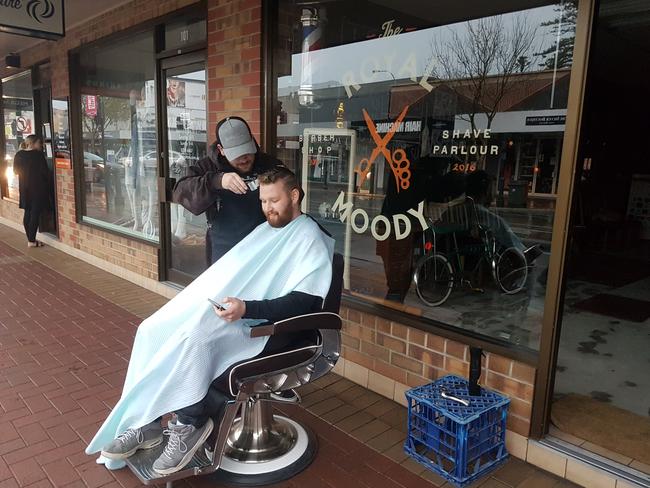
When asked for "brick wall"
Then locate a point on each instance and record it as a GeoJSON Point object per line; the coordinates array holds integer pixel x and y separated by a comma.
{"type": "Point", "coordinates": [392, 357]}
{"type": "Point", "coordinates": [235, 61]}
{"type": "Point", "coordinates": [234, 64]}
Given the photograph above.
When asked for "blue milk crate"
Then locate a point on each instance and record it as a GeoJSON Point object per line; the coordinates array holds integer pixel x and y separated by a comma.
{"type": "Point", "coordinates": [457, 442]}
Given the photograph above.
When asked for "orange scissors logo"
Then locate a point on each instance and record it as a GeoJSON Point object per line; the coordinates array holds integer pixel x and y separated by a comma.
{"type": "Point", "coordinates": [399, 163]}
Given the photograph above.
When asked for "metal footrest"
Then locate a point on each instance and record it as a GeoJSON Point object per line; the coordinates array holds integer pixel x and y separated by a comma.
{"type": "Point", "coordinates": [141, 463]}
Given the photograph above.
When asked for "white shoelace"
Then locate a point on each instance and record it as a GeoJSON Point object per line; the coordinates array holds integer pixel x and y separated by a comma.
{"type": "Point", "coordinates": [128, 434]}
{"type": "Point", "coordinates": [174, 443]}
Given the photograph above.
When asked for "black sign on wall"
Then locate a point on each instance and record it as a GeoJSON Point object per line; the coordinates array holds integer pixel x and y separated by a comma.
{"type": "Point", "coordinates": [33, 18]}
{"type": "Point", "coordinates": [546, 120]}
{"type": "Point", "coordinates": [61, 133]}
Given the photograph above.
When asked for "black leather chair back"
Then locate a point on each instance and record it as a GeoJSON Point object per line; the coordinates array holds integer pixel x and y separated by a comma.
{"type": "Point", "coordinates": [333, 298]}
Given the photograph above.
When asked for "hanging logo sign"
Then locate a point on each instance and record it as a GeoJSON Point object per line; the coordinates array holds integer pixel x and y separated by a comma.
{"type": "Point", "coordinates": [91, 106]}
{"type": "Point", "coordinates": [33, 18]}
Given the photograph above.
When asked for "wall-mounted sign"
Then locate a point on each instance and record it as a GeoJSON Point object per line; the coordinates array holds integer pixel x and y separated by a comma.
{"type": "Point", "coordinates": [61, 133]}
{"type": "Point", "coordinates": [546, 120]}
{"type": "Point", "coordinates": [33, 18]}
{"type": "Point", "coordinates": [404, 126]}
{"type": "Point", "coordinates": [90, 105]}
{"type": "Point", "coordinates": [18, 103]}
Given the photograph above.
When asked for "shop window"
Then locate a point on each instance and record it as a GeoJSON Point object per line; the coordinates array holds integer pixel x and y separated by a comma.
{"type": "Point", "coordinates": [118, 124]}
{"type": "Point", "coordinates": [429, 143]}
{"type": "Point", "coordinates": [18, 111]}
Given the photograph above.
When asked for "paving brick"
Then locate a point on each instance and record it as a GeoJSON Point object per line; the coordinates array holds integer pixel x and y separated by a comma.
{"type": "Point", "coordinates": [93, 474]}
{"type": "Point", "coordinates": [27, 418]}
{"type": "Point", "coordinates": [354, 421]}
{"type": "Point", "coordinates": [64, 404]}
{"type": "Point", "coordinates": [63, 434]}
{"type": "Point", "coordinates": [326, 406]}
{"type": "Point", "coordinates": [11, 403]}
{"type": "Point", "coordinates": [33, 433]}
{"type": "Point", "coordinates": [62, 453]}
{"type": "Point", "coordinates": [27, 472]}
{"type": "Point", "coordinates": [126, 479]}
{"type": "Point", "coordinates": [8, 431]}
{"type": "Point", "coordinates": [387, 439]}
{"type": "Point", "coordinates": [11, 446]}
{"type": "Point", "coordinates": [44, 483]}
{"type": "Point", "coordinates": [5, 472]}
{"type": "Point", "coordinates": [60, 473]}
{"type": "Point", "coordinates": [370, 430]}
{"type": "Point", "coordinates": [370, 477]}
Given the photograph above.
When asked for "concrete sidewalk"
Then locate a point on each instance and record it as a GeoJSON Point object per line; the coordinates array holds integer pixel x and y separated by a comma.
{"type": "Point", "coordinates": [66, 330]}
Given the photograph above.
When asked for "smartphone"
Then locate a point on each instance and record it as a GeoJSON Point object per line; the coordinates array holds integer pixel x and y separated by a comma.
{"type": "Point", "coordinates": [220, 307]}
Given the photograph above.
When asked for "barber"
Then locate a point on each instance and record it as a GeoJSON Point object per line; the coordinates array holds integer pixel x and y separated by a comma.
{"type": "Point", "coordinates": [224, 186]}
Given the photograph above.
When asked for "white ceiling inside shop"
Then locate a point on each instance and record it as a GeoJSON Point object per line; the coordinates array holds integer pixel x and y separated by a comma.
{"type": "Point", "coordinates": [76, 12]}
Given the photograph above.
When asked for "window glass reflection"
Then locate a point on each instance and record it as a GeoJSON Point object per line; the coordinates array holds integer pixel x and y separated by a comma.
{"type": "Point", "coordinates": [429, 145]}
{"type": "Point", "coordinates": [18, 111]}
{"type": "Point", "coordinates": [119, 136]}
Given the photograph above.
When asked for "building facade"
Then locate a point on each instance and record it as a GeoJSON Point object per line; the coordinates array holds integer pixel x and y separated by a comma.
{"type": "Point", "coordinates": [392, 116]}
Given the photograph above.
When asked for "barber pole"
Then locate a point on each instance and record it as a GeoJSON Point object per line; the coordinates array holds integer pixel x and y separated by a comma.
{"type": "Point", "coordinates": [312, 20]}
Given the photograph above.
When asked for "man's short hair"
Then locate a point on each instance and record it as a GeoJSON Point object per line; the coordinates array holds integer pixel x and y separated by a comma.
{"type": "Point", "coordinates": [284, 174]}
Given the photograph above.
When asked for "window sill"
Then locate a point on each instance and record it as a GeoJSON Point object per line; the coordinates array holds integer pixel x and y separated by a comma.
{"type": "Point", "coordinates": [124, 234]}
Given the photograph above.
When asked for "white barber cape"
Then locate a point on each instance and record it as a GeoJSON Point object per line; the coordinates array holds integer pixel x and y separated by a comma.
{"type": "Point", "coordinates": [184, 346]}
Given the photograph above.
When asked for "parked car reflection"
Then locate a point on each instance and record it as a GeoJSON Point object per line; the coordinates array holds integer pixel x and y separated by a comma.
{"type": "Point", "coordinates": [150, 161]}
{"type": "Point", "coordinates": [94, 167]}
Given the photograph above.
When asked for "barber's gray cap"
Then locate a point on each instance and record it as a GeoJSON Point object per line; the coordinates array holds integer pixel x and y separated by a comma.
{"type": "Point", "coordinates": [236, 139]}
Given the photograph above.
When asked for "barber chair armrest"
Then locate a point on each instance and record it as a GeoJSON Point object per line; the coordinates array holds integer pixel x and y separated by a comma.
{"type": "Point", "coordinates": [311, 321]}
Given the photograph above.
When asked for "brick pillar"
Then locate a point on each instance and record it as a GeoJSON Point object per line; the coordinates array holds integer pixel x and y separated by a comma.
{"type": "Point", "coordinates": [234, 62]}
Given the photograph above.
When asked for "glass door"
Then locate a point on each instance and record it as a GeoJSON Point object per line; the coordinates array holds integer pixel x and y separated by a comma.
{"type": "Point", "coordinates": [601, 396]}
{"type": "Point", "coordinates": [43, 103]}
{"type": "Point", "coordinates": [184, 143]}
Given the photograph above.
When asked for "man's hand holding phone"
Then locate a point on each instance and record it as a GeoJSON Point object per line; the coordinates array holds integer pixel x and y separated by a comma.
{"type": "Point", "coordinates": [230, 310]}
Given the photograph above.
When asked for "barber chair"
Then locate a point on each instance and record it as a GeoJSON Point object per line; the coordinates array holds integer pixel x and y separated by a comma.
{"type": "Point", "coordinates": [251, 445]}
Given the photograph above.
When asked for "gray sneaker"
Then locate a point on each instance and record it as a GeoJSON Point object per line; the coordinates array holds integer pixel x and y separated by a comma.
{"type": "Point", "coordinates": [184, 441]}
{"type": "Point", "coordinates": [131, 440]}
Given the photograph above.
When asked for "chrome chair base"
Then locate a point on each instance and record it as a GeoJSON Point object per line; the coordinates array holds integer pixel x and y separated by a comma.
{"type": "Point", "coordinates": [258, 436]}
{"type": "Point", "coordinates": [288, 465]}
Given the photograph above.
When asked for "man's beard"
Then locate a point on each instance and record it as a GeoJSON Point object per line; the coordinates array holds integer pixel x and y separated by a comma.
{"type": "Point", "coordinates": [243, 171]}
{"type": "Point", "coordinates": [278, 220]}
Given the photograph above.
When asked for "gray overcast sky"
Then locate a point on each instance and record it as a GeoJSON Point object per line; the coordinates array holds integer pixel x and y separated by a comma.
{"type": "Point", "coordinates": [398, 54]}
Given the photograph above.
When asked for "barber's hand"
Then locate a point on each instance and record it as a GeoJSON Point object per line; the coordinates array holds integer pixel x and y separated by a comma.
{"type": "Point", "coordinates": [235, 310]}
{"type": "Point", "coordinates": [234, 183]}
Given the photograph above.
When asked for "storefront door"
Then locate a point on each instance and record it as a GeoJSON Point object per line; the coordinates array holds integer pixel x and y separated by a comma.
{"type": "Point", "coordinates": [601, 376]}
{"type": "Point", "coordinates": [43, 102]}
{"type": "Point", "coordinates": [184, 143]}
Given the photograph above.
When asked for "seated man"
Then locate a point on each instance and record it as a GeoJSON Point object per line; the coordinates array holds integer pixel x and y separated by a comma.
{"type": "Point", "coordinates": [281, 269]}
